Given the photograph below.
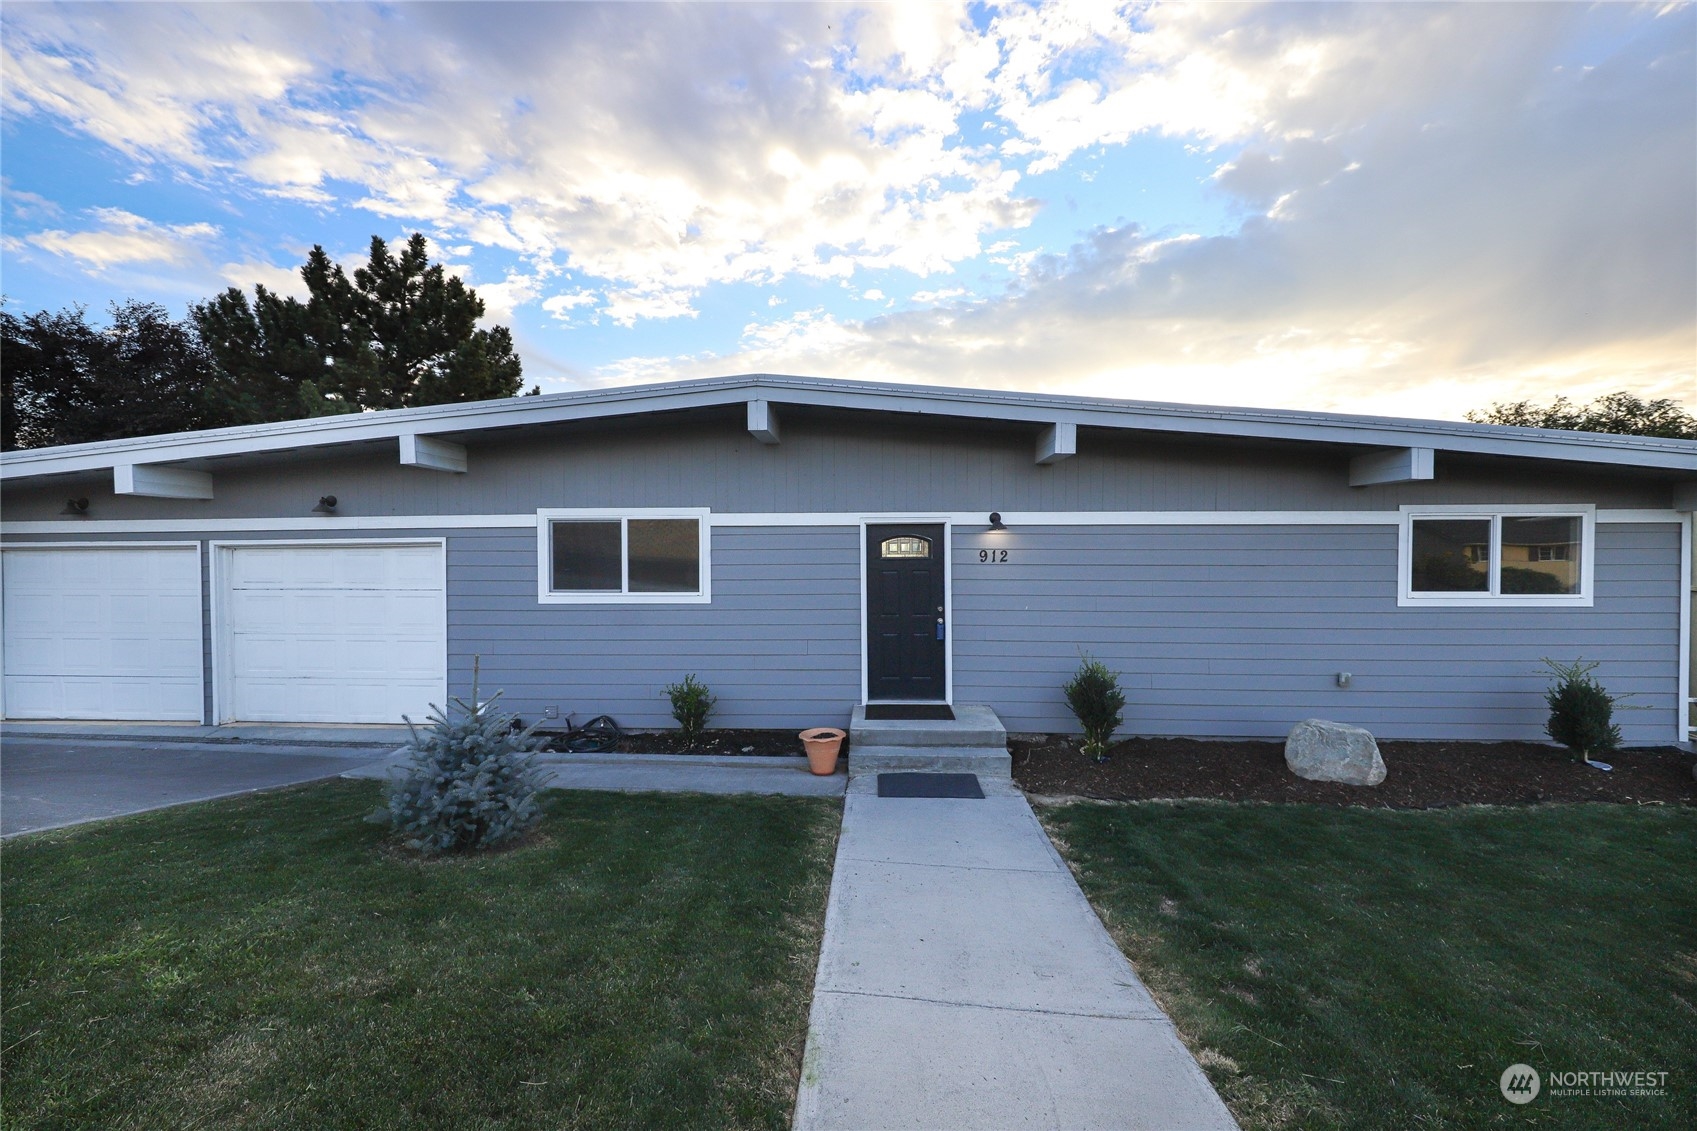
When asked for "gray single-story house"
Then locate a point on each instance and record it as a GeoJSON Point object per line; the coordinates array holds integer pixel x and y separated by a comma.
{"type": "Point", "coordinates": [806, 545]}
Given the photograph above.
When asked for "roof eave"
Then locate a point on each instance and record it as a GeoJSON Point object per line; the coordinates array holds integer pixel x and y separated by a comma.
{"type": "Point", "coordinates": [1246, 423]}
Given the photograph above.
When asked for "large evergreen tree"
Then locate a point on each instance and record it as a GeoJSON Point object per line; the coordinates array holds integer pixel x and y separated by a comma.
{"type": "Point", "coordinates": [400, 332]}
{"type": "Point", "coordinates": [280, 354]}
{"type": "Point", "coordinates": [67, 382]}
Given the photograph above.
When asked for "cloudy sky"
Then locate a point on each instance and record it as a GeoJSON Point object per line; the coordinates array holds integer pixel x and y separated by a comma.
{"type": "Point", "coordinates": [1378, 208]}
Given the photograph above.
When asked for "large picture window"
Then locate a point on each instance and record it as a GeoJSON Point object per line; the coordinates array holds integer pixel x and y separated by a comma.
{"type": "Point", "coordinates": [1497, 556]}
{"type": "Point", "coordinates": [622, 556]}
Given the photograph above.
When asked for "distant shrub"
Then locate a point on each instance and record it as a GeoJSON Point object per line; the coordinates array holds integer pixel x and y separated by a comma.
{"type": "Point", "coordinates": [470, 779]}
{"type": "Point", "coordinates": [691, 705]}
{"type": "Point", "coordinates": [1517, 580]}
{"type": "Point", "coordinates": [1095, 697]}
{"type": "Point", "coordinates": [1447, 573]}
{"type": "Point", "coordinates": [1581, 710]}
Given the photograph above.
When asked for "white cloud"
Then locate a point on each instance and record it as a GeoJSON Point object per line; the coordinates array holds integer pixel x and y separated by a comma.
{"type": "Point", "coordinates": [560, 306]}
{"type": "Point", "coordinates": [285, 281]}
{"type": "Point", "coordinates": [806, 333]}
{"type": "Point", "coordinates": [501, 299]}
{"type": "Point", "coordinates": [1417, 239]}
{"type": "Point", "coordinates": [124, 238]}
{"type": "Point", "coordinates": [663, 151]}
{"type": "Point", "coordinates": [1456, 197]}
{"type": "Point", "coordinates": [27, 205]}
{"type": "Point", "coordinates": [626, 306]}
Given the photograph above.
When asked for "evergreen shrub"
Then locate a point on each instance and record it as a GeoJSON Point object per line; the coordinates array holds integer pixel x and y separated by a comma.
{"type": "Point", "coordinates": [1095, 697]}
{"type": "Point", "coordinates": [1581, 710]}
{"type": "Point", "coordinates": [470, 780]}
{"type": "Point", "coordinates": [691, 705]}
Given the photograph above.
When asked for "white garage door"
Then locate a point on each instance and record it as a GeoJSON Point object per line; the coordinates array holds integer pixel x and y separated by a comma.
{"type": "Point", "coordinates": [332, 633]}
{"type": "Point", "coordinates": [102, 633]}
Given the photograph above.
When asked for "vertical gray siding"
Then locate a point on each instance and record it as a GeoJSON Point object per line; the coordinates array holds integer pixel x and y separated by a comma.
{"type": "Point", "coordinates": [1241, 630]}
{"type": "Point", "coordinates": [779, 644]}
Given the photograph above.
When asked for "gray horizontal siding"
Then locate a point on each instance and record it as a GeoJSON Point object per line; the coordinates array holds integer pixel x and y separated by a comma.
{"type": "Point", "coordinates": [1216, 630]}
{"type": "Point", "coordinates": [1241, 631]}
{"type": "Point", "coordinates": [779, 644]}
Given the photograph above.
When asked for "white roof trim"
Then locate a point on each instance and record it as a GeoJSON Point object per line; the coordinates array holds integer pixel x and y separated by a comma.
{"type": "Point", "coordinates": [1033, 408]}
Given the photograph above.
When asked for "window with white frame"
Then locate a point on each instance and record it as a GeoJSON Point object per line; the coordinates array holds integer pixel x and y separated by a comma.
{"type": "Point", "coordinates": [1497, 555]}
{"type": "Point", "coordinates": [637, 556]}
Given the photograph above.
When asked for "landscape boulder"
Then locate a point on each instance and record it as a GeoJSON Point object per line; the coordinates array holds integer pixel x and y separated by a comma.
{"type": "Point", "coordinates": [1326, 751]}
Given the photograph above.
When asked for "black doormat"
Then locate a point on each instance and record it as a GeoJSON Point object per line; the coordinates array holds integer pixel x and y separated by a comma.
{"type": "Point", "coordinates": [930, 785]}
{"type": "Point", "coordinates": [909, 711]}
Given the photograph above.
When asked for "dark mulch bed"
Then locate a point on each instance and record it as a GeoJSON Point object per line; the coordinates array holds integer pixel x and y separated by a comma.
{"type": "Point", "coordinates": [739, 742]}
{"type": "Point", "coordinates": [1422, 775]}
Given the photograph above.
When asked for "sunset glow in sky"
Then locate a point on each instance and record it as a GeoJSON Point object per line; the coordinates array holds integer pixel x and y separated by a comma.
{"type": "Point", "coordinates": [1407, 209]}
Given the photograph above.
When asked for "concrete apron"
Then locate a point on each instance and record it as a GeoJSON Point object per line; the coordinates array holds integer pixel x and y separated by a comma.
{"type": "Point", "coordinates": [965, 982]}
{"type": "Point", "coordinates": [271, 734]}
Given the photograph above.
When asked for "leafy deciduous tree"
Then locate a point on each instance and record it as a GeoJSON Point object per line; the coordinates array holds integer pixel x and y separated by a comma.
{"type": "Point", "coordinates": [67, 382]}
{"type": "Point", "coordinates": [1620, 413]}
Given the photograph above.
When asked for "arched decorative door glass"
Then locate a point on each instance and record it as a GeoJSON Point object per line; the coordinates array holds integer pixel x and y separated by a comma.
{"type": "Point", "coordinates": [908, 546]}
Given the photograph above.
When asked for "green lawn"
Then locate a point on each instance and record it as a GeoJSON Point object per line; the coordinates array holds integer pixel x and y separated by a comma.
{"type": "Point", "coordinates": [265, 962]}
{"type": "Point", "coordinates": [1368, 968]}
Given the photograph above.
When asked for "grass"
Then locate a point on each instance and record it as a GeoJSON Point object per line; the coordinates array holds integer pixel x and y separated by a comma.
{"type": "Point", "coordinates": [645, 960]}
{"type": "Point", "coordinates": [1376, 969]}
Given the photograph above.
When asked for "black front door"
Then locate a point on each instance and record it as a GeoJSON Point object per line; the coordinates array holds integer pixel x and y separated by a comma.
{"type": "Point", "coordinates": [905, 648]}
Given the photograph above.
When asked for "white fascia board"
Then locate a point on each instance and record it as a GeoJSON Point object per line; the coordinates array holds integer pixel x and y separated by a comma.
{"type": "Point", "coordinates": [155, 482]}
{"type": "Point", "coordinates": [1391, 465]}
{"type": "Point", "coordinates": [1057, 441]}
{"type": "Point", "coordinates": [432, 454]}
{"type": "Point", "coordinates": [763, 421]}
{"type": "Point", "coordinates": [966, 520]}
{"type": "Point", "coordinates": [1371, 432]}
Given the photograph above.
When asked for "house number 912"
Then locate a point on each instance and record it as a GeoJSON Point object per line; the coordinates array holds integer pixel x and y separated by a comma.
{"type": "Point", "coordinates": [997, 556]}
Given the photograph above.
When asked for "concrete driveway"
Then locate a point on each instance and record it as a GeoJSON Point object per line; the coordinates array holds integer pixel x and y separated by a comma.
{"type": "Point", "coordinates": [47, 783]}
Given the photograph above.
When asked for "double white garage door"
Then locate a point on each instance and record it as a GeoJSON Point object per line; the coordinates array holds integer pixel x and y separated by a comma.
{"type": "Point", "coordinates": [331, 633]}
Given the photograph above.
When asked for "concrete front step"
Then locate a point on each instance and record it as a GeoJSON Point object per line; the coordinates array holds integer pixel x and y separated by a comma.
{"type": "Point", "coordinates": [985, 761]}
{"type": "Point", "coordinates": [974, 724]}
{"type": "Point", "coordinates": [973, 742]}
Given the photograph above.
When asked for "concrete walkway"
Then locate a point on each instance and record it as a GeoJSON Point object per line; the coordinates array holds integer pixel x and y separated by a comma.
{"type": "Point", "coordinates": [669, 773]}
{"type": "Point", "coordinates": [378, 751]}
{"type": "Point", "coordinates": [965, 982]}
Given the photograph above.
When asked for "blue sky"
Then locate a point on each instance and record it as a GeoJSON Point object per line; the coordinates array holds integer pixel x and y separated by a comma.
{"type": "Point", "coordinates": [1412, 209]}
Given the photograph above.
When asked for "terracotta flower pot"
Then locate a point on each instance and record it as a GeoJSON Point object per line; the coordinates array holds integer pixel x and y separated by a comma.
{"type": "Point", "coordinates": [823, 744]}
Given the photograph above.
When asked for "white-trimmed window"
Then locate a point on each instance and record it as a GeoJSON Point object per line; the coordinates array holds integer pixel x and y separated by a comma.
{"type": "Point", "coordinates": [1523, 555]}
{"type": "Point", "coordinates": [622, 556]}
